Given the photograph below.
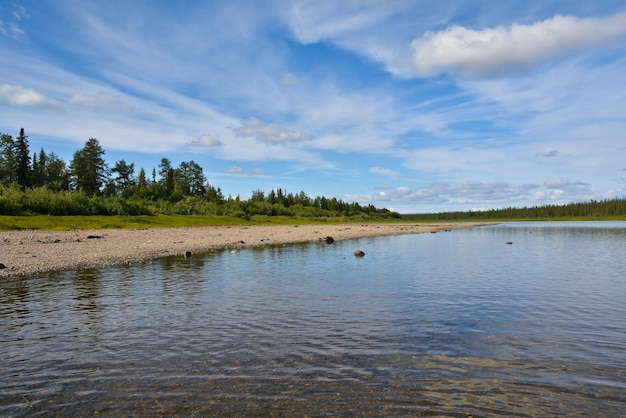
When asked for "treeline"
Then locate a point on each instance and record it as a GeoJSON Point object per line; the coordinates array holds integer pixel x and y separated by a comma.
{"type": "Point", "coordinates": [44, 184]}
{"type": "Point", "coordinates": [591, 209]}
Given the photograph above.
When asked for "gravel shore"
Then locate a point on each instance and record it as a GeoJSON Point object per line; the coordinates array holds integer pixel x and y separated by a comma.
{"type": "Point", "coordinates": [36, 251]}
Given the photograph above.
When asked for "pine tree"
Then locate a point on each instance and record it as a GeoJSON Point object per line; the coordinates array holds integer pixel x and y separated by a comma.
{"type": "Point", "coordinates": [125, 173]}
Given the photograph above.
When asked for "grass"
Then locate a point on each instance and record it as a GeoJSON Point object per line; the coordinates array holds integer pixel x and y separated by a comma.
{"type": "Point", "coordinates": [59, 223]}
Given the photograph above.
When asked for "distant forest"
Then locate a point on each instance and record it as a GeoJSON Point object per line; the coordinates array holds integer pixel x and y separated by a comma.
{"type": "Point", "coordinates": [610, 208]}
{"type": "Point", "coordinates": [42, 183]}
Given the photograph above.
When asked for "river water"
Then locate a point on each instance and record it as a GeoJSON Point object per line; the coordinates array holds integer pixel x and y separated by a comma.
{"type": "Point", "coordinates": [520, 319]}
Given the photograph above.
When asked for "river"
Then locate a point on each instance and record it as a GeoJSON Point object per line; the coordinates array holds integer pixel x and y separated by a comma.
{"type": "Point", "coordinates": [515, 319]}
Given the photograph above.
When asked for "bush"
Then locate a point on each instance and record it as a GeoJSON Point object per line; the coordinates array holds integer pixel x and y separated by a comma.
{"type": "Point", "coordinates": [10, 200]}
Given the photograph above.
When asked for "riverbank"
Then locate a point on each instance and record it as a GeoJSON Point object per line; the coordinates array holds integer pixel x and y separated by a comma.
{"type": "Point", "coordinates": [35, 251]}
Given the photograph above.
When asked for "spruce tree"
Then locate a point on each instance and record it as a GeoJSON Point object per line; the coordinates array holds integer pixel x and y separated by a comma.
{"type": "Point", "coordinates": [23, 170]}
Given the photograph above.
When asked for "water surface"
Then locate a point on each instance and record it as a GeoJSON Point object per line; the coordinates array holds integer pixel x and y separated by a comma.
{"type": "Point", "coordinates": [506, 320]}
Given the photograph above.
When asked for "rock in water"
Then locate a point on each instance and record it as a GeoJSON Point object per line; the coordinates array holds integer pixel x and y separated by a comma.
{"type": "Point", "coordinates": [359, 253]}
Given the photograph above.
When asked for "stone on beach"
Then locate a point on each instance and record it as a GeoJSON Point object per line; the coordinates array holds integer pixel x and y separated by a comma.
{"type": "Point", "coordinates": [29, 252]}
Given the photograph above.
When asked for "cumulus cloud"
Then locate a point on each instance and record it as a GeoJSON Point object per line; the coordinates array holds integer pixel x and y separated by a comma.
{"type": "Point", "coordinates": [206, 141]}
{"type": "Point", "coordinates": [476, 195]}
{"type": "Point", "coordinates": [271, 134]}
{"type": "Point", "coordinates": [494, 50]}
{"type": "Point", "coordinates": [21, 96]}
{"type": "Point", "coordinates": [564, 184]}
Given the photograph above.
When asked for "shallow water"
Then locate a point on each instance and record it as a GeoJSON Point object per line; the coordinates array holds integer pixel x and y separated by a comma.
{"type": "Point", "coordinates": [450, 324]}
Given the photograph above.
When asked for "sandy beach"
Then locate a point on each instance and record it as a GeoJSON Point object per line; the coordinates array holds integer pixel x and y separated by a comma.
{"type": "Point", "coordinates": [36, 251]}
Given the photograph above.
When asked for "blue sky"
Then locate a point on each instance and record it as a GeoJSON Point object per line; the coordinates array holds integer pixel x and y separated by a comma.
{"type": "Point", "coordinates": [417, 106]}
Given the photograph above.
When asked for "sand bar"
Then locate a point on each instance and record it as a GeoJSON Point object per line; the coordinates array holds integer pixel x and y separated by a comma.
{"type": "Point", "coordinates": [36, 251]}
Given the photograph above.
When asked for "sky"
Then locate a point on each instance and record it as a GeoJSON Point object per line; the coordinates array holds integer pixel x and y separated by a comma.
{"type": "Point", "coordinates": [416, 106]}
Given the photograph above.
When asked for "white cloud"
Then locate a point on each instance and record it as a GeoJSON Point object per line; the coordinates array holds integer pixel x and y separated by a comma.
{"type": "Point", "coordinates": [19, 12]}
{"type": "Point", "coordinates": [271, 134]}
{"type": "Point", "coordinates": [99, 102]}
{"type": "Point", "coordinates": [470, 194]}
{"type": "Point", "coordinates": [383, 171]}
{"type": "Point", "coordinates": [494, 50]}
{"type": "Point", "coordinates": [234, 170]}
{"type": "Point", "coordinates": [206, 141]}
{"type": "Point", "coordinates": [566, 185]}
{"type": "Point", "coordinates": [314, 21]}
{"type": "Point", "coordinates": [238, 171]}
{"type": "Point", "coordinates": [21, 96]}
{"type": "Point", "coordinates": [11, 28]}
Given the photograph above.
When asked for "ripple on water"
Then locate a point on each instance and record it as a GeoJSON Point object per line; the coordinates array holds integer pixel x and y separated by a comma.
{"type": "Point", "coordinates": [451, 324]}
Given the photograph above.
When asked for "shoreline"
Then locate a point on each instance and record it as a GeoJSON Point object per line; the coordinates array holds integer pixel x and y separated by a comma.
{"type": "Point", "coordinates": [27, 252]}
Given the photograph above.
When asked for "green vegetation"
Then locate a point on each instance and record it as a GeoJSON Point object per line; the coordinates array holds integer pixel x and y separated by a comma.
{"type": "Point", "coordinates": [44, 185]}
{"type": "Point", "coordinates": [157, 221]}
{"type": "Point", "coordinates": [610, 209]}
{"type": "Point", "coordinates": [42, 192]}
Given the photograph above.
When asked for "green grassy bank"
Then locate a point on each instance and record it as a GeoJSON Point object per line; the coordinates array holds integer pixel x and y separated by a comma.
{"type": "Point", "coordinates": [58, 223]}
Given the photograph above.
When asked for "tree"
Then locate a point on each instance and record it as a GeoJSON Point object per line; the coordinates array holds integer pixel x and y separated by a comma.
{"type": "Point", "coordinates": [7, 159]}
{"type": "Point", "coordinates": [191, 179]}
{"type": "Point", "coordinates": [257, 196]}
{"type": "Point", "coordinates": [40, 176]}
{"type": "Point", "coordinates": [142, 183]}
{"type": "Point", "coordinates": [22, 156]}
{"type": "Point", "coordinates": [166, 172]}
{"type": "Point", "coordinates": [56, 173]}
{"type": "Point", "coordinates": [125, 174]}
{"type": "Point", "coordinates": [88, 169]}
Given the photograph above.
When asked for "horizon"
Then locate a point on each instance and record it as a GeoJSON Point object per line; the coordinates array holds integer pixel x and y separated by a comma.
{"type": "Point", "coordinates": [415, 107]}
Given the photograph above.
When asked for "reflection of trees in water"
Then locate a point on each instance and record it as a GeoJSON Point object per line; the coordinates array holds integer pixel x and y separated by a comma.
{"type": "Point", "coordinates": [176, 283]}
{"type": "Point", "coordinates": [14, 301]}
{"type": "Point", "coordinates": [86, 296]}
{"type": "Point", "coordinates": [86, 284]}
